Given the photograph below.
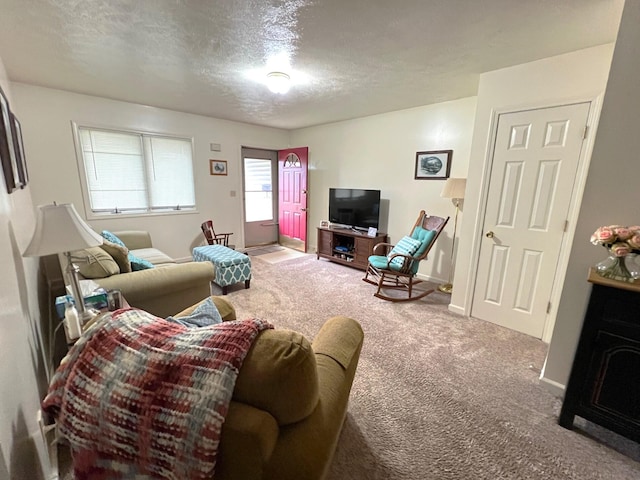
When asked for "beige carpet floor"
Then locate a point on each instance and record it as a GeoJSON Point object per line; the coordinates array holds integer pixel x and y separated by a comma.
{"type": "Point", "coordinates": [436, 395]}
{"type": "Point", "coordinates": [274, 253]}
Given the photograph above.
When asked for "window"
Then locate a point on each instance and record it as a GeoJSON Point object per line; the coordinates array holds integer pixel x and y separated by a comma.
{"type": "Point", "coordinates": [131, 172]}
{"type": "Point", "coordinates": [258, 190]}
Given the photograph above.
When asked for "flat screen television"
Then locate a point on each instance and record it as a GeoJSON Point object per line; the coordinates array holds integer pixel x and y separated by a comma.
{"type": "Point", "coordinates": [354, 208]}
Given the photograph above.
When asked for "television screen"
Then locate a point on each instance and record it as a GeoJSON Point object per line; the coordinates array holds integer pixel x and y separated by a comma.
{"type": "Point", "coordinates": [354, 207]}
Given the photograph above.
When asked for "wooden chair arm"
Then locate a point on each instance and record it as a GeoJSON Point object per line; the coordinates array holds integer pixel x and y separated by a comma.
{"type": "Point", "coordinates": [406, 264]}
{"type": "Point", "coordinates": [375, 247]}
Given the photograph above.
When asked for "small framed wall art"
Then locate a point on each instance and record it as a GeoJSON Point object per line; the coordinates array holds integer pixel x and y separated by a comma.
{"type": "Point", "coordinates": [8, 155]}
{"type": "Point", "coordinates": [18, 144]}
{"type": "Point", "coordinates": [433, 165]}
{"type": "Point", "coordinates": [217, 167]}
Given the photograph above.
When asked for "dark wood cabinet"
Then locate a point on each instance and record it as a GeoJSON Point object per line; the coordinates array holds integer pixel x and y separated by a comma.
{"type": "Point", "coordinates": [604, 386]}
{"type": "Point", "coordinates": [346, 246]}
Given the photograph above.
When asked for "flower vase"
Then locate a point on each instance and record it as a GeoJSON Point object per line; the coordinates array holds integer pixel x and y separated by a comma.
{"type": "Point", "coordinates": [623, 269]}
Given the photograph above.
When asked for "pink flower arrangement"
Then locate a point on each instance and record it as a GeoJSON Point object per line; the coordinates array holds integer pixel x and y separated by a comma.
{"type": "Point", "coordinates": [619, 240]}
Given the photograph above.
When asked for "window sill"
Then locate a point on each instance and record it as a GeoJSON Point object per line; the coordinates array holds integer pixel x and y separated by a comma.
{"type": "Point", "coordinates": [115, 216]}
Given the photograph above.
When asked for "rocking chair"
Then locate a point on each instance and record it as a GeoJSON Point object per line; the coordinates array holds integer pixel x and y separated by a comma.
{"type": "Point", "coordinates": [397, 270]}
{"type": "Point", "coordinates": [214, 238]}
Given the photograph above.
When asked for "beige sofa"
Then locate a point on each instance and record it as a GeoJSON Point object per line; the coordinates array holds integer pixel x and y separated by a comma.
{"type": "Point", "coordinates": [161, 290]}
{"type": "Point", "coordinates": [289, 402]}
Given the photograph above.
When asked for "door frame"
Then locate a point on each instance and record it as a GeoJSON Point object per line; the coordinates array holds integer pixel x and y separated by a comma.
{"type": "Point", "coordinates": [274, 189]}
{"type": "Point", "coordinates": [574, 205]}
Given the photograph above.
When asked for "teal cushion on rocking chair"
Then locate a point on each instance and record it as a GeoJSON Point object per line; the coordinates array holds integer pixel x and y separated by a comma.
{"type": "Point", "coordinates": [425, 236]}
{"type": "Point", "coordinates": [381, 262]}
{"type": "Point", "coordinates": [406, 246]}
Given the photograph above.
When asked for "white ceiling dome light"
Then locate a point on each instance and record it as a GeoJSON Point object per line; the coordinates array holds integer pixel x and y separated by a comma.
{"type": "Point", "coordinates": [278, 75]}
{"type": "Point", "coordinates": [278, 82]}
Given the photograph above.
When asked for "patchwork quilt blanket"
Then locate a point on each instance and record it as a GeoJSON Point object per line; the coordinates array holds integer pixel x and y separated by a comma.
{"type": "Point", "coordinates": [142, 397]}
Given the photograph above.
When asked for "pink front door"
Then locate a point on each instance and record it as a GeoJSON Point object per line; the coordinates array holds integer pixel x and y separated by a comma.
{"type": "Point", "coordinates": [292, 184]}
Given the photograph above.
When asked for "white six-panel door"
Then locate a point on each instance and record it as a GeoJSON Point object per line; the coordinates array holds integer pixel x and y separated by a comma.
{"type": "Point", "coordinates": [535, 160]}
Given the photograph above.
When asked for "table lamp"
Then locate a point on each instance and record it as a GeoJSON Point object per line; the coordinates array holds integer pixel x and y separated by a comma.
{"type": "Point", "coordinates": [454, 189]}
{"type": "Point", "coordinates": [59, 229]}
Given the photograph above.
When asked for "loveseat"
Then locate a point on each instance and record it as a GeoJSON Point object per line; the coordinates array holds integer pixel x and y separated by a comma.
{"type": "Point", "coordinates": [160, 290]}
{"type": "Point", "coordinates": [289, 402]}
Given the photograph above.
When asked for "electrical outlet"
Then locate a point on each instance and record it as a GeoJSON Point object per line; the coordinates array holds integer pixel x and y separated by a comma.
{"type": "Point", "coordinates": [232, 193]}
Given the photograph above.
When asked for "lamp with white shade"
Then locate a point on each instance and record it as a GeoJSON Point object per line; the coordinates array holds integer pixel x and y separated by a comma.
{"type": "Point", "coordinates": [454, 189]}
{"type": "Point", "coordinates": [59, 229]}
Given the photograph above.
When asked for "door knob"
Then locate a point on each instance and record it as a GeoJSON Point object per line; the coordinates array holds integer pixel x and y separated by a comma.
{"type": "Point", "coordinates": [489, 234]}
{"type": "Point", "coordinates": [303, 209]}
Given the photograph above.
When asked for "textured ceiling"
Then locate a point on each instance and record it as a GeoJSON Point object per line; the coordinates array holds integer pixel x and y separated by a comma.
{"type": "Point", "coordinates": [360, 57]}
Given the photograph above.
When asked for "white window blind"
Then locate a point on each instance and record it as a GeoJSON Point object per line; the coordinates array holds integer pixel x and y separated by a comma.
{"type": "Point", "coordinates": [135, 172]}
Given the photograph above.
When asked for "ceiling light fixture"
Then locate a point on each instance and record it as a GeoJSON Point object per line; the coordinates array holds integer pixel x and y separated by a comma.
{"type": "Point", "coordinates": [278, 82]}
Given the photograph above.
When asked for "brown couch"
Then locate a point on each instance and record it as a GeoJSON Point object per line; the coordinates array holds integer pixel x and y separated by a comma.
{"type": "Point", "coordinates": [289, 402]}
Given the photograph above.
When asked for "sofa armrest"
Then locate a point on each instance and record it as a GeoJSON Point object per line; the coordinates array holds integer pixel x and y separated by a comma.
{"type": "Point", "coordinates": [165, 290]}
{"type": "Point", "coordinates": [135, 239]}
{"type": "Point", "coordinates": [248, 438]}
{"type": "Point", "coordinates": [340, 338]}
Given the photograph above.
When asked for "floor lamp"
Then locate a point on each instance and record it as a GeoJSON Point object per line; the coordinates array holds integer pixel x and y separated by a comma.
{"type": "Point", "coordinates": [454, 189]}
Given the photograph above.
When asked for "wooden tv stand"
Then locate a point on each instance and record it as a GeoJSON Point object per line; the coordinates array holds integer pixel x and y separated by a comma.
{"type": "Point", "coordinates": [348, 247]}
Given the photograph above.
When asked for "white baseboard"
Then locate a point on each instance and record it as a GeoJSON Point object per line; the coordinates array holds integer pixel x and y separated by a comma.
{"type": "Point", "coordinates": [557, 389]}
{"type": "Point", "coordinates": [456, 309]}
{"type": "Point", "coordinates": [428, 278]}
{"type": "Point", "coordinates": [48, 437]}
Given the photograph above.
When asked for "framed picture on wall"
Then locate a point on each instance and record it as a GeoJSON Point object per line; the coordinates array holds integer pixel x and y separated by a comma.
{"type": "Point", "coordinates": [433, 165]}
{"type": "Point", "coordinates": [7, 147]}
{"type": "Point", "coordinates": [217, 167]}
{"type": "Point", "coordinates": [18, 146]}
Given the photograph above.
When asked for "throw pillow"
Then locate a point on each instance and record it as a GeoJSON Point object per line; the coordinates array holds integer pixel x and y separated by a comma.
{"type": "Point", "coordinates": [204, 315]}
{"type": "Point", "coordinates": [406, 246]}
{"type": "Point", "coordinates": [425, 236]}
{"type": "Point", "coordinates": [119, 253]}
{"type": "Point", "coordinates": [112, 238]}
{"type": "Point", "coordinates": [98, 264]}
{"type": "Point", "coordinates": [138, 263]}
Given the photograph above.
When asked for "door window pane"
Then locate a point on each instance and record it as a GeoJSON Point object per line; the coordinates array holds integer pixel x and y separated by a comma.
{"type": "Point", "coordinates": [258, 188]}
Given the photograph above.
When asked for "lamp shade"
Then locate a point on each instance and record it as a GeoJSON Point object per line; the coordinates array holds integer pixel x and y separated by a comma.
{"type": "Point", "coordinates": [454, 188]}
{"type": "Point", "coordinates": [59, 229]}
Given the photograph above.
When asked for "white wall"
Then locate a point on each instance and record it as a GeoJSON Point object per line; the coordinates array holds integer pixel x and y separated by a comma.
{"type": "Point", "coordinates": [22, 376]}
{"type": "Point", "coordinates": [379, 152]}
{"type": "Point", "coordinates": [611, 191]}
{"type": "Point", "coordinates": [577, 76]}
{"type": "Point", "coordinates": [46, 117]}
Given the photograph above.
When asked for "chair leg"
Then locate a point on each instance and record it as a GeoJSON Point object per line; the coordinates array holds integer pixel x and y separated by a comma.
{"type": "Point", "coordinates": [373, 273]}
{"type": "Point", "coordinates": [397, 284]}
